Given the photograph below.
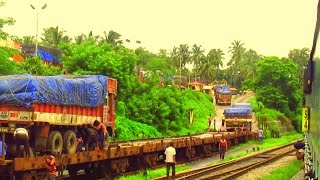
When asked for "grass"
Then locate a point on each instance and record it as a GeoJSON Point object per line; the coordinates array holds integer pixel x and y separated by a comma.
{"type": "Point", "coordinates": [151, 174]}
{"type": "Point", "coordinates": [267, 143]}
{"type": "Point", "coordinates": [285, 172]}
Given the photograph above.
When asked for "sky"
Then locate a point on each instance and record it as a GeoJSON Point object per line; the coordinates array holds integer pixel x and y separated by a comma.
{"type": "Point", "coordinates": [270, 27]}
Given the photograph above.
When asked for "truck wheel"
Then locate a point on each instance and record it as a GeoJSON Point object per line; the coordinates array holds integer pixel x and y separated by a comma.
{"type": "Point", "coordinates": [70, 141]}
{"type": "Point", "coordinates": [55, 142]}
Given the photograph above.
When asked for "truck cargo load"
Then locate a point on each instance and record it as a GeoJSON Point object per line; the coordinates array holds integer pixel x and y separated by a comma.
{"type": "Point", "coordinates": [22, 90]}
{"type": "Point", "coordinates": [241, 112]}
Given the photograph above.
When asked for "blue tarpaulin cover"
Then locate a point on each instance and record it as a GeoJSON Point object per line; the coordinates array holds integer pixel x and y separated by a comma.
{"type": "Point", "coordinates": [237, 112]}
{"type": "Point", "coordinates": [224, 89]}
{"type": "Point", "coordinates": [48, 57]}
{"type": "Point", "coordinates": [22, 90]}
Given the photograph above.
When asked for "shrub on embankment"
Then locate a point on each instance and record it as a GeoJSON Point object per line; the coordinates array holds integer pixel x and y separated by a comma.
{"type": "Point", "coordinates": [166, 111]}
{"type": "Point", "coordinates": [273, 122]}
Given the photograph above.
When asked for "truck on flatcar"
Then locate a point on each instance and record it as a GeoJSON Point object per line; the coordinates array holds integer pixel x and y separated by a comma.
{"type": "Point", "coordinates": [222, 94]}
{"type": "Point", "coordinates": [54, 107]}
{"type": "Point", "coordinates": [239, 117]}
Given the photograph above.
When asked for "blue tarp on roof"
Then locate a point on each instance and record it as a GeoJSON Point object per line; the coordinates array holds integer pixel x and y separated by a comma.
{"type": "Point", "coordinates": [22, 90]}
{"type": "Point", "coordinates": [237, 112]}
{"type": "Point", "coordinates": [48, 57]}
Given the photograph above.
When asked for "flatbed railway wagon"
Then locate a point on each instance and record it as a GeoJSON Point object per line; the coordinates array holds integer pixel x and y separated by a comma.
{"type": "Point", "coordinates": [119, 158]}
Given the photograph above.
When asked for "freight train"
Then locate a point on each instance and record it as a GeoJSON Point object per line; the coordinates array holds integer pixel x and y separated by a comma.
{"type": "Point", "coordinates": [66, 103]}
{"type": "Point", "coordinates": [311, 112]}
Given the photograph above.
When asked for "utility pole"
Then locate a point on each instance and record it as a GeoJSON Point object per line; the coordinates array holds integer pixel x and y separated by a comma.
{"type": "Point", "coordinates": [37, 24]}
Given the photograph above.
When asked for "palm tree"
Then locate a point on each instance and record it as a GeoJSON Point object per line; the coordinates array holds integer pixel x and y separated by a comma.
{"type": "Point", "coordinates": [53, 36]}
{"type": "Point", "coordinates": [197, 54]}
{"type": "Point", "coordinates": [184, 55]}
{"type": "Point", "coordinates": [112, 38]}
{"type": "Point", "coordinates": [237, 51]}
{"type": "Point", "coordinates": [248, 66]}
{"type": "Point", "coordinates": [210, 67]}
{"type": "Point", "coordinates": [28, 40]}
{"type": "Point", "coordinates": [174, 57]}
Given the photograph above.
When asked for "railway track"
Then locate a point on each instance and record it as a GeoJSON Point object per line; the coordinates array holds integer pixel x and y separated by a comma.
{"type": "Point", "coordinates": [237, 167]}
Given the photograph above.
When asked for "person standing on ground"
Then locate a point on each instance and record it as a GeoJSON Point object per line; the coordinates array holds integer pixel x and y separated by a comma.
{"type": "Point", "coordinates": [21, 137]}
{"type": "Point", "coordinates": [223, 146]}
{"type": "Point", "coordinates": [260, 135]}
{"type": "Point", "coordinates": [170, 153]}
{"type": "Point", "coordinates": [210, 119]}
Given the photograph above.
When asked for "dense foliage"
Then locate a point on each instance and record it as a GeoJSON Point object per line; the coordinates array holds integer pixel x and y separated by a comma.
{"type": "Point", "coordinates": [277, 86]}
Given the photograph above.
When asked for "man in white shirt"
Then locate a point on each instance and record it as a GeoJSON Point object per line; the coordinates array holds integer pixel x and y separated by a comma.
{"type": "Point", "coordinates": [21, 136]}
{"type": "Point", "coordinates": [171, 159]}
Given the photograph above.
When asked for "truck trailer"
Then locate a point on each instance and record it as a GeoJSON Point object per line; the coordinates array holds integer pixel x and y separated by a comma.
{"type": "Point", "coordinates": [54, 108]}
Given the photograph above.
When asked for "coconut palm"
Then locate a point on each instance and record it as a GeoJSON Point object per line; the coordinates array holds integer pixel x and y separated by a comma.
{"type": "Point", "coordinates": [209, 69]}
{"type": "Point", "coordinates": [237, 51]}
{"type": "Point", "coordinates": [112, 38]}
{"type": "Point", "coordinates": [197, 55]}
{"type": "Point", "coordinates": [248, 66]}
{"type": "Point", "coordinates": [53, 36]}
{"type": "Point", "coordinates": [28, 40]}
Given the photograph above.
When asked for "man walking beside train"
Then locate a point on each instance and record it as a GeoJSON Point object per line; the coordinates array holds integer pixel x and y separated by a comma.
{"type": "Point", "coordinates": [170, 153]}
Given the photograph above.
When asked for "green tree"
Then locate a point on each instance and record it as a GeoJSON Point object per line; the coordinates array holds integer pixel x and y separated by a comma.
{"type": "Point", "coordinates": [112, 38]}
{"type": "Point", "coordinates": [4, 22]}
{"type": "Point", "coordinates": [237, 51]}
{"type": "Point", "coordinates": [210, 68]}
{"type": "Point", "coordinates": [52, 36]}
{"type": "Point", "coordinates": [300, 57]}
{"type": "Point", "coordinates": [277, 85]}
{"type": "Point", "coordinates": [28, 40]}
{"type": "Point", "coordinates": [197, 55]}
{"type": "Point", "coordinates": [6, 65]}
{"type": "Point", "coordinates": [35, 66]}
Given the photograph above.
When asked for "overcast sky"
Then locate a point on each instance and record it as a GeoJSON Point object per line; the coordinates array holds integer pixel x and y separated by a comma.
{"type": "Point", "coordinates": [271, 27]}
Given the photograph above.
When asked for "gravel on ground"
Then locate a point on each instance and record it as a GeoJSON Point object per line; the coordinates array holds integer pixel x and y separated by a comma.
{"type": "Point", "coordinates": [266, 170]}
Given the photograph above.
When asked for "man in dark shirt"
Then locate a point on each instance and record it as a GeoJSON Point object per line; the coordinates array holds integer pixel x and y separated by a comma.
{"type": "Point", "coordinates": [92, 138]}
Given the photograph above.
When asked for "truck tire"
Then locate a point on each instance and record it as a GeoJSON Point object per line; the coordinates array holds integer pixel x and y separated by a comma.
{"type": "Point", "coordinates": [69, 141]}
{"type": "Point", "coordinates": [55, 142]}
